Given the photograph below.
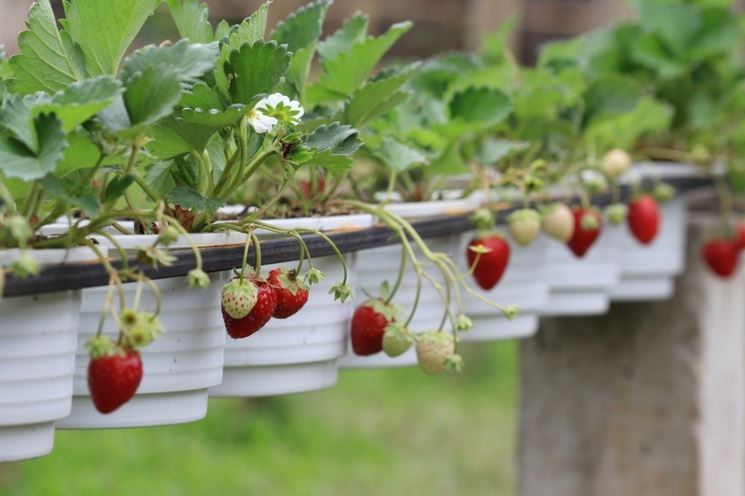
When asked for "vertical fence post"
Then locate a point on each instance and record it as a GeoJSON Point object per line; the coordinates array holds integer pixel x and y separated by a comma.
{"type": "Point", "coordinates": [645, 400]}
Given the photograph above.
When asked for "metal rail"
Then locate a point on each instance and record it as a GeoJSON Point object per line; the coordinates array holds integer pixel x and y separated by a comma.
{"type": "Point", "coordinates": [219, 258]}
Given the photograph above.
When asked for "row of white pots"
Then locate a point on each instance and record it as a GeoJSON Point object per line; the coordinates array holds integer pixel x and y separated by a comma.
{"type": "Point", "coordinates": [192, 360]}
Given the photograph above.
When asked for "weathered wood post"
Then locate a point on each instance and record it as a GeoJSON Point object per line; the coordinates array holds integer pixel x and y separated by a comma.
{"type": "Point", "coordinates": [646, 400]}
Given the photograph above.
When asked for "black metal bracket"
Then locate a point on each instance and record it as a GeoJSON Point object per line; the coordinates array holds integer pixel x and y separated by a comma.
{"type": "Point", "coordinates": [220, 258]}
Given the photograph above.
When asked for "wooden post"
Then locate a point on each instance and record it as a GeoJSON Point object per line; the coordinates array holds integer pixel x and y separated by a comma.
{"type": "Point", "coordinates": [646, 400]}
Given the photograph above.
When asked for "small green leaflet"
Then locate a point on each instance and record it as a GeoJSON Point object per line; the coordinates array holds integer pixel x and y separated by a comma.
{"type": "Point", "coordinates": [192, 20]}
{"type": "Point", "coordinates": [189, 198]}
{"type": "Point", "coordinates": [349, 70]}
{"type": "Point", "coordinates": [353, 30]}
{"type": "Point", "coordinates": [375, 97]}
{"type": "Point", "coordinates": [483, 106]}
{"type": "Point", "coordinates": [398, 156]}
{"type": "Point", "coordinates": [80, 101]}
{"type": "Point", "coordinates": [47, 59]}
{"type": "Point", "coordinates": [302, 27]}
{"type": "Point", "coordinates": [185, 61]}
{"type": "Point", "coordinates": [255, 69]}
{"type": "Point", "coordinates": [341, 139]}
{"type": "Point", "coordinates": [104, 29]}
{"type": "Point", "coordinates": [21, 161]}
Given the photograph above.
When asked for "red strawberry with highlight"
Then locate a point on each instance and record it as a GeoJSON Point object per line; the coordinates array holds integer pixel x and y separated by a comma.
{"type": "Point", "coordinates": [587, 226]}
{"type": "Point", "coordinates": [741, 235]}
{"type": "Point", "coordinates": [493, 254]}
{"type": "Point", "coordinates": [644, 219]}
{"type": "Point", "coordinates": [291, 292]}
{"type": "Point", "coordinates": [369, 324]}
{"type": "Point", "coordinates": [114, 374]}
{"type": "Point", "coordinates": [722, 256]}
{"type": "Point", "coordinates": [260, 313]}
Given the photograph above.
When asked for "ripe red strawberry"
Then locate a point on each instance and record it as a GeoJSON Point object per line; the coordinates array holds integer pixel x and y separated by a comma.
{"type": "Point", "coordinates": [644, 218]}
{"type": "Point", "coordinates": [369, 323]}
{"type": "Point", "coordinates": [291, 292]}
{"type": "Point", "coordinates": [741, 235]}
{"type": "Point", "coordinates": [114, 374]}
{"type": "Point", "coordinates": [492, 263]}
{"type": "Point", "coordinates": [722, 256]}
{"type": "Point", "coordinates": [587, 227]}
{"type": "Point", "coordinates": [258, 316]}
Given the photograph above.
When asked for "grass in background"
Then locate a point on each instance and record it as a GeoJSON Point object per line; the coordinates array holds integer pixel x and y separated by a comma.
{"type": "Point", "coordinates": [378, 432]}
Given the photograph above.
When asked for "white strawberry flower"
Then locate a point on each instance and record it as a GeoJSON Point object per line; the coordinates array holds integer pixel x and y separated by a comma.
{"type": "Point", "coordinates": [280, 107]}
{"type": "Point", "coordinates": [260, 122]}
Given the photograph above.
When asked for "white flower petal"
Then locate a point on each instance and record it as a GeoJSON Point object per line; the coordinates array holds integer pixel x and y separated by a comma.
{"type": "Point", "coordinates": [261, 123]}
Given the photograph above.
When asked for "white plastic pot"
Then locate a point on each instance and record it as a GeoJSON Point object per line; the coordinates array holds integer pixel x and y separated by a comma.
{"type": "Point", "coordinates": [300, 353]}
{"type": "Point", "coordinates": [581, 286]}
{"type": "Point", "coordinates": [296, 354]}
{"type": "Point", "coordinates": [37, 358]}
{"type": "Point", "coordinates": [524, 284]}
{"type": "Point", "coordinates": [647, 271]}
{"type": "Point", "coordinates": [178, 367]}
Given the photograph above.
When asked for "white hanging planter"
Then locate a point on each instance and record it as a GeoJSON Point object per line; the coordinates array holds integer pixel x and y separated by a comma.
{"type": "Point", "coordinates": [296, 354]}
{"type": "Point", "coordinates": [381, 264]}
{"type": "Point", "coordinates": [178, 367]}
{"type": "Point", "coordinates": [524, 284]}
{"type": "Point", "coordinates": [647, 271]}
{"type": "Point", "coordinates": [300, 353]}
{"type": "Point", "coordinates": [581, 286]}
{"type": "Point", "coordinates": [37, 358]}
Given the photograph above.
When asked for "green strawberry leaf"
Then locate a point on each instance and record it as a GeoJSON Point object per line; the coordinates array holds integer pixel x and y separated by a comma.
{"type": "Point", "coordinates": [117, 187]}
{"type": "Point", "coordinates": [192, 20]}
{"type": "Point", "coordinates": [398, 156]}
{"type": "Point", "coordinates": [47, 59]}
{"type": "Point", "coordinates": [483, 106]}
{"type": "Point", "coordinates": [185, 61]}
{"type": "Point", "coordinates": [352, 31]}
{"type": "Point", "coordinates": [80, 101]}
{"type": "Point", "coordinates": [18, 160]}
{"type": "Point", "coordinates": [160, 179]}
{"type": "Point", "coordinates": [190, 199]}
{"type": "Point", "coordinates": [345, 73]}
{"type": "Point", "coordinates": [148, 97]}
{"type": "Point", "coordinates": [300, 32]}
{"type": "Point", "coordinates": [339, 139]}
{"type": "Point", "coordinates": [174, 136]}
{"type": "Point", "coordinates": [254, 70]}
{"type": "Point", "coordinates": [303, 27]}
{"type": "Point", "coordinates": [376, 96]}
{"type": "Point", "coordinates": [492, 151]}
{"type": "Point", "coordinates": [104, 29]}
{"type": "Point", "coordinates": [81, 153]}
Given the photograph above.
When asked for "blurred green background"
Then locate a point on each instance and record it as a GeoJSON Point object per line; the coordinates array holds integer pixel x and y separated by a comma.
{"type": "Point", "coordinates": [377, 432]}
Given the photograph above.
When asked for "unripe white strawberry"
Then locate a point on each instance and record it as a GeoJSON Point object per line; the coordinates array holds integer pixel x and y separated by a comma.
{"type": "Point", "coordinates": [239, 297]}
{"type": "Point", "coordinates": [558, 222]}
{"type": "Point", "coordinates": [615, 163]}
{"type": "Point", "coordinates": [524, 224]}
{"type": "Point", "coordinates": [435, 352]}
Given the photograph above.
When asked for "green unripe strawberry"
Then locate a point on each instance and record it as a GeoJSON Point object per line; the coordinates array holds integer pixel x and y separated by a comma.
{"type": "Point", "coordinates": [397, 340]}
{"type": "Point", "coordinates": [616, 213]}
{"type": "Point", "coordinates": [664, 192]}
{"type": "Point", "coordinates": [197, 278]}
{"type": "Point", "coordinates": [25, 265]}
{"type": "Point", "coordinates": [139, 328]}
{"type": "Point", "coordinates": [168, 236]}
{"type": "Point", "coordinates": [435, 352]}
{"type": "Point", "coordinates": [615, 163]}
{"type": "Point", "coordinates": [524, 224]}
{"type": "Point", "coordinates": [239, 297]}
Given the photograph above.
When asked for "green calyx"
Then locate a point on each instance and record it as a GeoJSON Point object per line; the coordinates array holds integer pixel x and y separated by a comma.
{"type": "Point", "coordinates": [341, 292]}
{"type": "Point", "coordinates": [197, 278]}
{"type": "Point", "coordinates": [24, 266]}
{"type": "Point", "coordinates": [291, 282]}
{"type": "Point", "coordinates": [139, 328]}
{"type": "Point", "coordinates": [664, 192]}
{"type": "Point", "coordinates": [101, 346]}
{"type": "Point", "coordinates": [385, 309]}
{"type": "Point", "coordinates": [463, 323]}
{"type": "Point", "coordinates": [589, 221]}
{"type": "Point", "coordinates": [483, 220]}
{"type": "Point", "coordinates": [314, 276]}
{"type": "Point", "coordinates": [616, 213]}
